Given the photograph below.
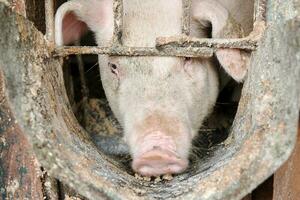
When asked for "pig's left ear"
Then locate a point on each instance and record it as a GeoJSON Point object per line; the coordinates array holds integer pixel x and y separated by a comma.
{"type": "Point", "coordinates": [75, 17]}
{"type": "Point", "coordinates": [234, 61]}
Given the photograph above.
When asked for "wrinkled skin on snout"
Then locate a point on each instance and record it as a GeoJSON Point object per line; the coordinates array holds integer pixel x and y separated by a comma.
{"type": "Point", "coordinates": [160, 102]}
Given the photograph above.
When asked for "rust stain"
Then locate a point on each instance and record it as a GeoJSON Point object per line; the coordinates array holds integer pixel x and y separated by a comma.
{"type": "Point", "coordinates": [20, 170]}
{"type": "Point", "coordinates": [287, 178]}
{"type": "Point", "coordinates": [18, 6]}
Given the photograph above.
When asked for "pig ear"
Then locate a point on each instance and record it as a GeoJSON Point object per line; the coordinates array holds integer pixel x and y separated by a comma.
{"type": "Point", "coordinates": [234, 61]}
{"type": "Point", "coordinates": [75, 17]}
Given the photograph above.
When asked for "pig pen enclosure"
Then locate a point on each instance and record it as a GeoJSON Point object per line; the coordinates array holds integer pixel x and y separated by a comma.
{"type": "Point", "coordinates": [43, 95]}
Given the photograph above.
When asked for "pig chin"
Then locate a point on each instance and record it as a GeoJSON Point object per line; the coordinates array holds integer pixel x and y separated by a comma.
{"type": "Point", "coordinates": [159, 150]}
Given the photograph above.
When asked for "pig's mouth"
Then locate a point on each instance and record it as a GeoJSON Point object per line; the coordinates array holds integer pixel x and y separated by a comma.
{"type": "Point", "coordinates": [158, 162]}
{"type": "Point", "coordinates": [157, 155]}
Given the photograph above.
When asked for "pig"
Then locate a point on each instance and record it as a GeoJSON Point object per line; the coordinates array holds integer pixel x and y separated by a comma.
{"type": "Point", "coordinates": [160, 102]}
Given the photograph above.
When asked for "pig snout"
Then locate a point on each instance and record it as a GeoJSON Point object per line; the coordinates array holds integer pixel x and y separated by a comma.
{"type": "Point", "coordinates": [157, 155]}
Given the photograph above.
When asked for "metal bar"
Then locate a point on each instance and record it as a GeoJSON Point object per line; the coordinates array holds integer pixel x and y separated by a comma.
{"type": "Point", "coordinates": [49, 18]}
{"type": "Point", "coordinates": [136, 51]}
{"type": "Point", "coordinates": [259, 25]}
{"type": "Point", "coordinates": [182, 46]}
{"type": "Point", "coordinates": [260, 8]}
{"type": "Point", "coordinates": [184, 42]}
{"type": "Point", "coordinates": [84, 88]}
{"type": "Point", "coordinates": [118, 22]}
{"type": "Point", "coordinates": [186, 17]}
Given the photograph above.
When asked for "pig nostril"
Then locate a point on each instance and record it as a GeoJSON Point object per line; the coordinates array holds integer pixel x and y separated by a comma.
{"type": "Point", "coordinates": [156, 147]}
{"type": "Point", "coordinates": [187, 59]}
{"type": "Point", "coordinates": [159, 162]}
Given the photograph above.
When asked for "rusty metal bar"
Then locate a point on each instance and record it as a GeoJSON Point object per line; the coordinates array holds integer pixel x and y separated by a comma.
{"type": "Point", "coordinates": [260, 8]}
{"type": "Point", "coordinates": [49, 18]}
{"type": "Point", "coordinates": [247, 43]}
{"type": "Point", "coordinates": [186, 17]}
{"type": "Point", "coordinates": [184, 42]}
{"type": "Point", "coordinates": [118, 22]}
{"type": "Point", "coordinates": [84, 88]}
{"type": "Point", "coordinates": [182, 46]}
{"type": "Point", "coordinates": [259, 25]}
{"type": "Point", "coordinates": [136, 51]}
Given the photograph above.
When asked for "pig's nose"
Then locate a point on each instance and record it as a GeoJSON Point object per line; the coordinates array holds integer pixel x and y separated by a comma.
{"type": "Point", "coordinates": [159, 162]}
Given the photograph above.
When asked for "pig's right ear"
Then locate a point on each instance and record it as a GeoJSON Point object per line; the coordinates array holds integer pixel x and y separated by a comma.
{"type": "Point", "coordinates": [211, 12]}
{"type": "Point", "coordinates": [75, 17]}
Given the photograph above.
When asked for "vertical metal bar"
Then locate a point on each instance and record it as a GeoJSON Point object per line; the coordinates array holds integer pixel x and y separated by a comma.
{"type": "Point", "coordinates": [260, 8]}
{"type": "Point", "coordinates": [186, 16]}
{"type": "Point", "coordinates": [49, 17]}
{"type": "Point", "coordinates": [84, 88]}
{"type": "Point", "coordinates": [118, 22]}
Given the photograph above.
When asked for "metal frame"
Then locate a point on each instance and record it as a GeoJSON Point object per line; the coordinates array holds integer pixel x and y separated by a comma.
{"type": "Point", "coordinates": [49, 18]}
{"type": "Point", "coordinates": [182, 46]}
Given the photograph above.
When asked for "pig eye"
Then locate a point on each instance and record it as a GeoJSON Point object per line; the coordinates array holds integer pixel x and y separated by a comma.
{"type": "Point", "coordinates": [113, 68]}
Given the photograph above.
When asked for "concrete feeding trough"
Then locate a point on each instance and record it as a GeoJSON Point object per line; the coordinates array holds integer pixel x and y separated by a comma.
{"type": "Point", "coordinates": [261, 138]}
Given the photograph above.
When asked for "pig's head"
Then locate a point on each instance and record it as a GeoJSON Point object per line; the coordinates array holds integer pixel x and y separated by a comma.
{"type": "Point", "coordinates": [160, 101]}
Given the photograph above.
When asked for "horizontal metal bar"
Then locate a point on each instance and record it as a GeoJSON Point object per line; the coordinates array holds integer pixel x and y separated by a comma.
{"type": "Point", "coordinates": [49, 20]}
{"type": "Point", "coordinates": [135, 51]}
{"type": "Point", "coordinates": [260, 9]}
{"type": "Point", "coordinates": [181, 46]}
{"type": "Point", "coordinates": [118, 22]}
{"type": "Point", "coordinates": [186, 18]}
{"type": "Point", "coordinates": [184, 41]}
